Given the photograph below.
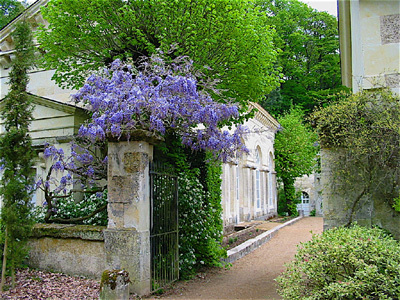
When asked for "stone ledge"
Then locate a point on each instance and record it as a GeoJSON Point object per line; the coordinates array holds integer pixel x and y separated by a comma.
{"type": "Point", "coordinates": [65, 231]}
{"type": "Point", "coordinates": [252, 244]}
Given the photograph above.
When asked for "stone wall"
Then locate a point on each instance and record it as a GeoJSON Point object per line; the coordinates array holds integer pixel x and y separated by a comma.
{"type": "Point", "coordinates": [70, 249]}
{"type": "Point", "coordinates": [370, 43]}
{"type": "Point", "coordinates": [371, 210]}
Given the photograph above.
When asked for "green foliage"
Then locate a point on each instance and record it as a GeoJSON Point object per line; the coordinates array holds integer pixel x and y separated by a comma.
{"type": "Point", "coordinates": [344, 263]}
{"type": "Point", "coordinates": [199, 205]}
{"type": "Point", "coordinates": [232, 38]}
{"type": "Point", "coordinates": [68, 208]}
{"type": "Point", "coordinates": [282, 204]}
{"type": "Point", "coordinates": [199, 242]}
{"type": "Point", "coordinates": [313, 213]}
{"type": "Point", "coordinates": [16, 154]}
{"type": "Point", "coordinates": [309, 59]}
{"type": "Point", "coordinates": [232, 240]}
{"type": "Point", "coordinates": [295, 153]}
{"type": "Point", "coordinates": [9, 9]}
{"type": "Point", "coordinates": [396, 204]}
{"type": "Point", "coordinates": [363, 132]}
{"type": "Point", "coordinates": [295, 147]}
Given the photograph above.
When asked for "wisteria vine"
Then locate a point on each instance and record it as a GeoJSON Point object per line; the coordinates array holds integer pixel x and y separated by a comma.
{"type": "Point", "coordinates": [157, 97]}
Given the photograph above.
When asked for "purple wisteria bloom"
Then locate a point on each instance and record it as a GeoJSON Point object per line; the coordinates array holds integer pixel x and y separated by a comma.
{"type": "Point", "coordinates": [158, 97]}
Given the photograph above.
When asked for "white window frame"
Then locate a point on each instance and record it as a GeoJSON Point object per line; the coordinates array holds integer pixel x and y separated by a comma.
{"type": "Point", "coordinates": [258, 180]}
{"type": "Point", "coordinates": [270, 182]}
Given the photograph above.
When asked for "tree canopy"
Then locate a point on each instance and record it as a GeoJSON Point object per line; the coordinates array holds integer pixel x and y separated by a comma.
{"type": "Point", "coordinates": [9, 9]}
{"type": "Point", "coordinates": [232, 38]}
{"type": "Point", "coordinates": [309, 57]}
{"type": "Point", "coordinates": [295, 152]}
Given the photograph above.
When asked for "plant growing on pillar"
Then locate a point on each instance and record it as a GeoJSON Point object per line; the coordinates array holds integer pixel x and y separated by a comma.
{"type": "Point", "coordinates": [363, 133]}
{"type": "Point", "coordinates": [199, 205]}
{"type": "Point", "coordinates": [232, 37]}
{"type": "Point", "coordinates": [16, 155]}
{"type": "Point", "coordinates": [84, 171]}
{"type": "Point", "coordinates": [159, 97]}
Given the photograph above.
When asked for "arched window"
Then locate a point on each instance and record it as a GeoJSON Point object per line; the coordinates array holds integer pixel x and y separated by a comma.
{"type": "Point", "coordinates": [305, 198]}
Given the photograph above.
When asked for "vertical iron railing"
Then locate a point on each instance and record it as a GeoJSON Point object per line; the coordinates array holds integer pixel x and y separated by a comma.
{"type": "Point", "coordinates": [163, 226]}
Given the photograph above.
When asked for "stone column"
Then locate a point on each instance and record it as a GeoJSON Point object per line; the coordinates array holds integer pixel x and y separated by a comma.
{"type": "Point", "coordinates": [127, 238]}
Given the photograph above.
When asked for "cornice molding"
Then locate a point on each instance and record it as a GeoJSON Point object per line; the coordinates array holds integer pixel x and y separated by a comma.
{"type": "Point", "coordinates": [33, 16]}
{"type": "Point", "coordinates": [264, 117]}
{"type": "Point", "coordinates": [50, 103]}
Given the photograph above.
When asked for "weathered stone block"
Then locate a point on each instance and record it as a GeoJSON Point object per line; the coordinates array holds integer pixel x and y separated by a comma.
{"type": "Point", "coordinates": [71, 249]}
{"type": "Point", "coordinates": [129, 249]}
{"type": "Point", "coordinates": [127, 239]}
{"type": "Point", "coordinates": [123, 189]}
{"type": "Point", "coordinates": [114, 285]}
{"type": "Point", "coordinates": [135, 162]}
{"type": "Point", "coordinates": [390, 29]}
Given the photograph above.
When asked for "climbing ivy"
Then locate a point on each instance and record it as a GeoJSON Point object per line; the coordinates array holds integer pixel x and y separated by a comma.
{"type": "Point", "coordinates": [199, 205]}
{"type": "Point", "coordinates": [362, 131]}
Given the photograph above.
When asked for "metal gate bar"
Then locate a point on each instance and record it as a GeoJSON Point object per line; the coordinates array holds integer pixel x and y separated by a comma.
{"type": "Point", "coordinates": [163, 226]}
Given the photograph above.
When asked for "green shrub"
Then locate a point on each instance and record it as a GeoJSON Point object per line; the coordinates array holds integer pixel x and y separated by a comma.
{"type": "Point", "coordinates": [199, 205]}
{"type": "Point", "coordinates": [344, 263]}
{"type": "Point", "coordinates": [396, 204]}
{"type": "Point", "coordinates": [313, 213]}
{"type": "Point", "coordinates": [199, 241]}
{"type": "Point", "coordinates": [67, 208]}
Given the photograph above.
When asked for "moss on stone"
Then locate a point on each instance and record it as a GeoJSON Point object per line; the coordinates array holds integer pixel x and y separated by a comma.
{"type": "Point", "coordinates": [109, 278]}
{"type": "Point", "coordinates": [85, 232]}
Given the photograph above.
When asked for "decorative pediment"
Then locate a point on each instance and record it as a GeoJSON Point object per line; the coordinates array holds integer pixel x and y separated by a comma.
{"type": "Point", "coordinates": [33, 15]}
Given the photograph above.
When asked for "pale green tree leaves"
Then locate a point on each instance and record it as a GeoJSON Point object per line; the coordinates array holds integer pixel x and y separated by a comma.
{"type": "Point", "coordinates": [232, 38]}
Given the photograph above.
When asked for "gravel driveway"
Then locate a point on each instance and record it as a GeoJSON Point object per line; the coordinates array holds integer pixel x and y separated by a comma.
{"type": "Point", "coordinates": [251, 277]}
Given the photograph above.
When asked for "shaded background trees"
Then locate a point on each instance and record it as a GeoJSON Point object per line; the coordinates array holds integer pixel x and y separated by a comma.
{"type": "Point", "coordinates": [309, 57]}
{"type": "Point", "coordinates": [295, 152]}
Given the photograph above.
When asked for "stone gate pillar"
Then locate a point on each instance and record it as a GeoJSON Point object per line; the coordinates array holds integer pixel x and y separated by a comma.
{"type": "Point", "coordinates": [127, 237]}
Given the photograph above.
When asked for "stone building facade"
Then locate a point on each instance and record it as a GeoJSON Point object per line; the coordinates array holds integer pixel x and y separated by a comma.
{"type": "Point", "coordinates": [309, 189]}
{"type": "Point", "coordinates": [369, 34]}
{"type": "Point", "coordinates": [249, 183]}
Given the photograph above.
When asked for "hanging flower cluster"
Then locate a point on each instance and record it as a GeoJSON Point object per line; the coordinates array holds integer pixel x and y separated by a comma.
{"type": "Point", "coordinates": [158, 97]}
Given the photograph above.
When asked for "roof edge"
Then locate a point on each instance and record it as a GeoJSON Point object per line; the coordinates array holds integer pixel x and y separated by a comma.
{"type": "Point", "coordinates": [32, 10]}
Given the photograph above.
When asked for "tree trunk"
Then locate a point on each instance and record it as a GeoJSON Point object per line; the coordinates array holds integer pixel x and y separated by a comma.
{"type": "Point", "coordinates": [12, 269]}
{"type": "Point", "coordinates": [3, 270]}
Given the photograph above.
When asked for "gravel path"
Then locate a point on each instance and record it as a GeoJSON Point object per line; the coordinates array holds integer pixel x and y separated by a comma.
{"type": "Point", "coordinates": [251, 277]}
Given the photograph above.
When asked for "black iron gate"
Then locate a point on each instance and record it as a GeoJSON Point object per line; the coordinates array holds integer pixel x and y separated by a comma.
{"type": "Point", "coordinates": [163, 226]}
